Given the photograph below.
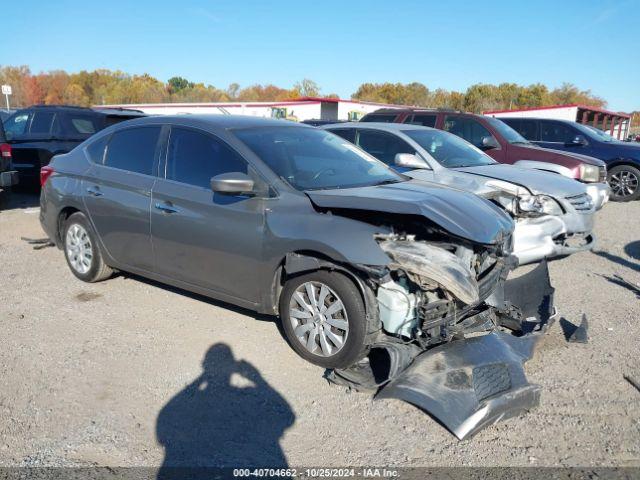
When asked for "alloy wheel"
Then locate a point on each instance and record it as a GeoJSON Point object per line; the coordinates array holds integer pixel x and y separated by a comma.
{"type": "Point", "coordinates": [319, 319]}
{"type": "Point", "coordinates": [623, 183]}
{"type": "Point", "coordinates": [79, 248]}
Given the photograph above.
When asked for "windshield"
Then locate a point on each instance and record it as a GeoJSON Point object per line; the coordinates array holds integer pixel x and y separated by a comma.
{"type": "Point", "coordinates": [449, 150]}
{"type": "Point", "coordinates": [311, 159]}
{"type": "Point", "coordinates": [508, 133]}
{"type": "Point", "coordinates": [595, 133]}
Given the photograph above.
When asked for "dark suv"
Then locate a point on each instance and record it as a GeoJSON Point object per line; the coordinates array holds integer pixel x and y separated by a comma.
{"type": "Point", "coordinates": [37, 133]}
{"type": "Point", "coordinates": [8, 178]}
{"type": "Point", "coordinates": [622, 158]}
{"type": "Point", "coordinates": [504, 145]}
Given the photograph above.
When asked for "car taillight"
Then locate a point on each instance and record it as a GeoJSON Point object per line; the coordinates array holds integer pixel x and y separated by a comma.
{"type": "Point", "coordinates": [45, 173]}
{"type": "Point", "coordinates": [5, 150]}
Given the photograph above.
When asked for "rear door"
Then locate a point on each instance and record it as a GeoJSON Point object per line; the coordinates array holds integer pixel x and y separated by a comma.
{"type": "Point", "coordinates": [117, 193]}
{"type": "Point", "coordinates": [559, 136]}
{"type": "Point", "coordinates": [210, 240]}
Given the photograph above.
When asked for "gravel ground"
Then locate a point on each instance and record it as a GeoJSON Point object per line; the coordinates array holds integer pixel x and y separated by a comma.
{"type": "Point", "coordinates": [126, 371]}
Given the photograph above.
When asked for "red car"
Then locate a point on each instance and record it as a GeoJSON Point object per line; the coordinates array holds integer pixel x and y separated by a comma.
{"type": "Point", "coordinates": [504, 144]}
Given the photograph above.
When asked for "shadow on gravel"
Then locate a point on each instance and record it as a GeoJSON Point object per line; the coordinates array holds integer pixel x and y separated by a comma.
{"type": "Point", "coordinates": [19, 200]}
{"type": "Point", "coordinates": [228, 416]}
{"type": "Point", "coordinates": [623, 282]}
{"type": "Point", "coordinates": [633, 249]}
{"type": "Point", "coordinates": [619, 260]}
{"type": "Point", "coordinates": [201, 298]}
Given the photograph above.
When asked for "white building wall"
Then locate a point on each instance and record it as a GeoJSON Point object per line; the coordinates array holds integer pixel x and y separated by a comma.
{"type": "Point", "coordinates": [563, 113]}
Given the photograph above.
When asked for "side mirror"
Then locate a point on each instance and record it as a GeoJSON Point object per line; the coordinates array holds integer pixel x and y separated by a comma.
{"type": "Point", "coordinates": [489, 143]}
{"type": "Point", "coordinates": [579, 140]}
{"type": "Point", "coordinates": [232, 183]}
{"type": "Point", "coordinates": [409, 160]}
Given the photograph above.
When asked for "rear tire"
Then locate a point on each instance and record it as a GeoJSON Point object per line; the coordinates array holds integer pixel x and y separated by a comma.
{"type": "Point", "coordinates": [324, 319]}
{"type": "Point", "coordinates": [82, 251]}
{"type": "Point", "coordinates": [624, 181]}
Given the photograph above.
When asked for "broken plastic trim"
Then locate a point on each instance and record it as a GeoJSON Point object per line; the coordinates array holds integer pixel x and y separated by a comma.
{"type": "Point", "coordinates": [469, 383]}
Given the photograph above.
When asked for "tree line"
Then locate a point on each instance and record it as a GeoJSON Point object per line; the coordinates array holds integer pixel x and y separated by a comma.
{"type": "Point", "coordinates": [115, 87]}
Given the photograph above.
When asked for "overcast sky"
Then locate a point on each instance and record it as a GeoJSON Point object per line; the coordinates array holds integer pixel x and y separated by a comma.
{"type": "Point", "coordinates": [339, 44]}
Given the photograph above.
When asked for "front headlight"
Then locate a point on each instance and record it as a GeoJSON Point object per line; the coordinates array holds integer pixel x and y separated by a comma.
{"type": "Point", "coordinates": [539, 205]}
{"type": "Point", "coordinates": [589, 173]}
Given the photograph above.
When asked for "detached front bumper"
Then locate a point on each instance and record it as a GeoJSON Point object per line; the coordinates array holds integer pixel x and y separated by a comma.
{"type": "Point", "coordinates": [599, 193]}
{"type": "Point", "coordinates": [8, 179]}
{"type": "Point", "coordinates": [535, 239]}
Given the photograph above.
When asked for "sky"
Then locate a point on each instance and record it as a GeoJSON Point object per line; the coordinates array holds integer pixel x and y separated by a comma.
{"type": "Point", "coordinates": [594, 44]}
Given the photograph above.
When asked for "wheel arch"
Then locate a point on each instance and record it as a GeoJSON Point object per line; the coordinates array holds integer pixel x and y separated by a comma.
{"type": "Point", "coordinates": [307, 261]}
{"type": "Point", "coordinates": [64, 213]}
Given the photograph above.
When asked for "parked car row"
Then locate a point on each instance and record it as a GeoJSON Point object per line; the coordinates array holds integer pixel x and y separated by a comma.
{"type": "Point", "coordinates": [622, 158]}
{"type": "Point", "coordinates": [360, 257]}
{"type": "Point", "coordinates": [505, 145]}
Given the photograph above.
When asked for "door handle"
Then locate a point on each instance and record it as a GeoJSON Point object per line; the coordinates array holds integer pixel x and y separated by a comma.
{"type": "Point", "coordinates": [166, 207]}
{"type": "Point", "coordinates": [95, 191]}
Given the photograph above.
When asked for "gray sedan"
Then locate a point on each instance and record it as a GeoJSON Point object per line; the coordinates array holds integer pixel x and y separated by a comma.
{"type": "Point", "coordinates": [554, 215]}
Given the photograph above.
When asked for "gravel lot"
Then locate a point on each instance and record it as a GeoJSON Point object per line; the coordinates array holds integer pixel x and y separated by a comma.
{"type": "Point", "coordinates": [126, 371]}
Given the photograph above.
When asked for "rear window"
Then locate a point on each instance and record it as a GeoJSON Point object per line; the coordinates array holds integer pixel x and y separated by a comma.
{"type": "Point", "coordinates": [133, 149]}
{"type": "Point", "coordinates": [16, 125]}
{"type": "Point", "coordinates": [384, 118]}
{"type": "Point", "coordinates": [426, 120]}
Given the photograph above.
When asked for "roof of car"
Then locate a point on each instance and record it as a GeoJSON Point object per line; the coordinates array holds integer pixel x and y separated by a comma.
{"type": "Point", "coordinates": [414, 110]}
{"type": "Point", "coordinates": [217, 121]}
{"type": "Point", "coordinates": [389, 127]}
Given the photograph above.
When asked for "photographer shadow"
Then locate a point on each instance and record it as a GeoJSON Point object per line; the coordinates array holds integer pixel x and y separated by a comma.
{"type": "Point", "coordinates": [227, 417]}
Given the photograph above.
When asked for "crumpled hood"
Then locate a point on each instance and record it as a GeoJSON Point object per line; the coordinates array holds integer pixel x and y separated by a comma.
{"type": "Point", "coordinates": [460, 213]}
{"type": "Point", "coordinates": [535, 181]}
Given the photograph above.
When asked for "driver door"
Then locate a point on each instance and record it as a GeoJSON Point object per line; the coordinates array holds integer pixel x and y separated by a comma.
{"type": "Point", "coordinates": [206, 239]}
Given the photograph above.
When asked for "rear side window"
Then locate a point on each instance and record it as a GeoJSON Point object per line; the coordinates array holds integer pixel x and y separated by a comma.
{"type": "Point", "coordinates": [133, 149]}
{"type": "Point", "coordinates": [195, 157]}
{"type": "Point", "coordinates": [555, 132]}
{"type": "Point", "coordinates": [528, 129]}
{"type": "Point", "coordinates": [383, 146]}
{"type": "Point", "coordinates": [379, 118]}
{"type": "Point", "coordinates": [83, 124]}
{"type": "Point", "coordinates": [468, 128]}
{"type": "Point", "coordinates": [96, 149]}
{"type": "Point", "coordinates": [349, 134]}
{"type": "Point", "coordinates": [42, 123]}
{"type": "Point", "coordinates": [424, 120]}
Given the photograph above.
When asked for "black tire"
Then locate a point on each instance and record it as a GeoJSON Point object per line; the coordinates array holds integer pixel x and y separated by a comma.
{"type": "Point", "coordinates": [97, 269]}
{"type": "Point", "coordinates": [354, 347]}
{"type": "Point", "coordinates": [616, 175]}
{"type": "Point", "coordinates": [5, 197]}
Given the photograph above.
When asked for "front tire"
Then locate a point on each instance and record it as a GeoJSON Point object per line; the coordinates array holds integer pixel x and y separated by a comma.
{"type": "Point", "coordinates": [82, 251]}
{"type": "Point", "coordinates": [624, 181]}
{"type": "Point", "coordinates": [324, 319]}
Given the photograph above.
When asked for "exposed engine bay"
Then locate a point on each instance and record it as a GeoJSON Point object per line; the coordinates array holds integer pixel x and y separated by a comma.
{"type": "Point", "coordinates": [454, 331]}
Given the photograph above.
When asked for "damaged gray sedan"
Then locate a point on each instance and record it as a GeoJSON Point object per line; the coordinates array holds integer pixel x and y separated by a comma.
{"type": "Point", "coordinates": [554, 215]}
{"type": "Point", "coordinates": [369, 271]}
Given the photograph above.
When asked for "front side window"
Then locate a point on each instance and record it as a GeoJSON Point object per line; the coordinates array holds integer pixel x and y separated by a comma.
{"type": "Point", "coordinates": [311, 159]}
{"type": "Point", "coordinates": [133, 149]}
{"type": "Point", "coordinates": [468, 128]}
{"type": "Point", "coordinates": [556, 132]}
{"type": "Point", "coordinates": [449, 150]}
{"type": "Point", "coordinates": [194, 158]}
{"type": "Point", "coordinates": [383, 146]}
